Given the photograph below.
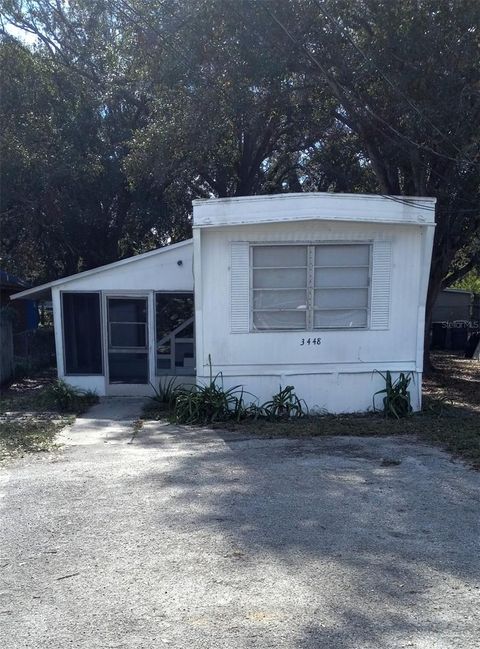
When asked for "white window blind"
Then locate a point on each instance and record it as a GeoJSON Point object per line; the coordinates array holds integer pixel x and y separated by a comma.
{"type": "Point", "coordinates": [279, 287]}
{"type": "Point", "coordinates": [307, 287]}
{"type": "Point", "coordinates": [341, 285]}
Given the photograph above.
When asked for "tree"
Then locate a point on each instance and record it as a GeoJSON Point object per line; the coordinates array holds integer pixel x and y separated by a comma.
{"type": "Point", "coordinates": [68, 114]}
{"type": "Point", "coordinates": [406, 79]}
{"type": "Point", "coordinates": [232, 97]}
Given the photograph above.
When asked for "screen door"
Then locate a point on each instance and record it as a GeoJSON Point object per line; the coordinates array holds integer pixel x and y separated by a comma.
{"type": "Point", "coordinates": [127, 339]}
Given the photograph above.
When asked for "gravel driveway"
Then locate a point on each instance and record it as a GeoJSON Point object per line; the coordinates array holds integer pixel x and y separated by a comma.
{"type": "Point", "coordinates": [209, 540]}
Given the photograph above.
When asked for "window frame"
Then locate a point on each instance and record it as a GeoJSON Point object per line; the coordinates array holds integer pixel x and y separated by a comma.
{"type": "Point", "coordinates": [120, 349]}
{"type": "Point", "coordinates": [102, 346]}
{"type": "Point", "coordinates": [310, 285]}
{"type": "Point", "coordinates": [173, 371]}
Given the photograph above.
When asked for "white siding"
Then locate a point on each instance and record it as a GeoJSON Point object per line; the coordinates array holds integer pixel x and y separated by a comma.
{"type": "Point", "coordinates": [345, 360]}
{"type": "Point", "coordinates": [145, 275]}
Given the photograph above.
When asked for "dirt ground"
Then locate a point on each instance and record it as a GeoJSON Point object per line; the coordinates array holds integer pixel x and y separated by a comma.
{"type": "Point", "coordinates": [456, 379]}
{"type": "Point", "coordinates": [187, 537]}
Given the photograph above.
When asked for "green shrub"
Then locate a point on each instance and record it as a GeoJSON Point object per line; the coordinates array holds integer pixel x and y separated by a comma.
{"type": "Point", "coordinates": [209, 403]}
{"type": "Point", "coordinates": [167, 393]}
{"type": "Point", "coordinates": [284, 404]}
{"type": "Point", "coordinates": [396, 402]}
{"type": "Point", "coordinates": [66, 398]}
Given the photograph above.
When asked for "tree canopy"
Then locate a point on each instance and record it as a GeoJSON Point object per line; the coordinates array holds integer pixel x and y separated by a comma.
{"type": "Point", "coordinates": [122, 112]}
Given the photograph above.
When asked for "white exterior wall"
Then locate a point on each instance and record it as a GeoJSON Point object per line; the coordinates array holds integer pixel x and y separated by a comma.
{"type": "Point", "coordinates": [141, 276]}
{"type": "Point", "coordinates": [338, 375]}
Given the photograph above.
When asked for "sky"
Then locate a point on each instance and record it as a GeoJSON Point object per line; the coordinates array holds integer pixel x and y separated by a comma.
{"type": "Point", "coordinates": [21, 34]}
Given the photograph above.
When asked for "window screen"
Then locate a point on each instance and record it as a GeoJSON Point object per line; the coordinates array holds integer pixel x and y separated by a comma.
{"type": "Point", "coordinates": [341, 284]}
{"type": "Point", "coordinates": [279, 287]}
{"type": "Point", "coordinates": [82, 333]}
{"type": "Point", "coordinates": [300, 287]}
{"type": "Point", "coordinates": [175, 333]}
{"type": "Point", "coordinates": [127, 321]}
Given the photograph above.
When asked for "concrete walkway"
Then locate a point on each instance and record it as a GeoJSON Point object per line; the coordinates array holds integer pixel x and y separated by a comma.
{"type": "Point", "coordinates": [198, 539]}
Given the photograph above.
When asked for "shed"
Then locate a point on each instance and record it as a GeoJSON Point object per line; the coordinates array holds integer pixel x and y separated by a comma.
{"type": "Point", "coordinates": [26, 312]}
{"type": "Point", "coordinates": [453, 319]}
{"type": "Point", "coordinates": [312, 290]}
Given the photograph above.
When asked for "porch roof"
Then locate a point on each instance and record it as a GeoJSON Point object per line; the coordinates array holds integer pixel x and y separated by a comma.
{"type": "Point", "coordinates": [44, 290]}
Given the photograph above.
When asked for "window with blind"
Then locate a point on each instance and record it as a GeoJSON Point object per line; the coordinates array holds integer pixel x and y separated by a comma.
{"type": "Point", "coordinates": [310, 287]}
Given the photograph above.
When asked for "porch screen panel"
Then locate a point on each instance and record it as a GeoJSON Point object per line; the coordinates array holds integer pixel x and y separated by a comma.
{"type": "Point", "coordinates": [175, 333]}
{"type": "Point", "coordinates": [82, 333]}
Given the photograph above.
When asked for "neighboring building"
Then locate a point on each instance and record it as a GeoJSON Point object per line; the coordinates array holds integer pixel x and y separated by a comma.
{"type": "Point", "coordinates": [455, 316]}
{"type": "Point", "coordinates": [26, 312]}
{"type": "Point", "coordinates": [312, 290]}
{"type": "Point", "coordinates": [18, 318]}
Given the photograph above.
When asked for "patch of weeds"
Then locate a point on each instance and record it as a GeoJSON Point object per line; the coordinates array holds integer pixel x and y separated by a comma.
{"type": "Point", "coordinates": [29, 434]}
{"type": "Point", "coordinates": [137, 427]}
{"type": "Point", "coordinates": [34, 410]}
{"type": "Point", "coordinates": [460, 436]}
{"type": "Point", "coordinates": [284, 404]}
{"type": "Point", "coordinates": [396, 402]}
{"type": "Point", "coordinates": [62, 397]}
{"type": "Point", "coordinates": [205, 404]}
{"type": "Point", "coordinates": [163, 402]}
{"type": "Point", "coordinates": [456, 431]}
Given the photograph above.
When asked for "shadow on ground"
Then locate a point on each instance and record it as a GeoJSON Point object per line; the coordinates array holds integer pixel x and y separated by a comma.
{"type": "Point", "coordinates": [367, 542]}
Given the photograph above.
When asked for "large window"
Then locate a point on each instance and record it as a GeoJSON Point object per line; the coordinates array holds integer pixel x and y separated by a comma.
{"type": "Point", "coordinates": [82, 334]}
{"type": "Point", "coordinates": [300, 287]}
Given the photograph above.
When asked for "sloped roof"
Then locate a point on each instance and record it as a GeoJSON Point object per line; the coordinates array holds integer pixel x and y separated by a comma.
{"type": "Point", "coordinates": [314, 206]}
{"type": "Point", "coordinates": [44, 289]}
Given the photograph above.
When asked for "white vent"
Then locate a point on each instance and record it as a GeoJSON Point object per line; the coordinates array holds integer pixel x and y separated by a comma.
{"type": "Point", "coordinates": [240, 287]}
{"type": "Point", "coordinates": [381, 277]}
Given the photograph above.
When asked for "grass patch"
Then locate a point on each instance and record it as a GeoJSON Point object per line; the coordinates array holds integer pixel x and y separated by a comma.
{"type": "Point", "coordinates": [33, 411]}
{"type": "Point", "coordinates": [61, 397]}
{"type": "Point", "coordinates": [29, 435]}
{"type": "Point", "coordinates": [457, 432]}
{"type": "Point", "coordinates": [450, 416]}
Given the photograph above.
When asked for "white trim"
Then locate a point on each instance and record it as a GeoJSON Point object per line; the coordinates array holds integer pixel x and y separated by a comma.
{"type": "Point", "coordinates": [381, 279]}
{"type": "Point", "coordinates": [86, 273]}
{"type": "Point", "coordinates": [64, 348]}
{"type": "Point", "coordinates": [426, 256]}
{"type": "Point", "coordinates": [200, 360]}
{"type": "Point", "coordinates": [310, 288]}
{"type": "Point", "coordinates": [141, 295]}
{"type": "Point", "coordinates": [288, 196]}
{"type": "Point", "coordinates": [281, 208]}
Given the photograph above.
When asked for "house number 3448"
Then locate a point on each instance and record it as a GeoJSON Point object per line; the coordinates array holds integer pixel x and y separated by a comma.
{"type": "Point", "coordinates": [310, 341]}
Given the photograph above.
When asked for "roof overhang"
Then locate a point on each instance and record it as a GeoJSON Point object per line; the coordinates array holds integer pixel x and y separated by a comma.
{"type": "Point", "coordinates": [44, 290]}
{"type": "Point", "coordinates": [279, 208]}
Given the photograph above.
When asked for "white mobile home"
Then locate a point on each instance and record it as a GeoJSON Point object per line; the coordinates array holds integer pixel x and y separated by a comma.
{"type": "Point", "coordinates": [312, 290]}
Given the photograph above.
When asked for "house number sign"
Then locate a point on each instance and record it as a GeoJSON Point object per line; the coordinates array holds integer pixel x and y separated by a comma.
{"type": "Point", "coordinates": [310, 341]}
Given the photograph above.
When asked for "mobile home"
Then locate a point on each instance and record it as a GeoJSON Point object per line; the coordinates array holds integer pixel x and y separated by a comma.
{"type": "Point", "coordinates": [312, 290]}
